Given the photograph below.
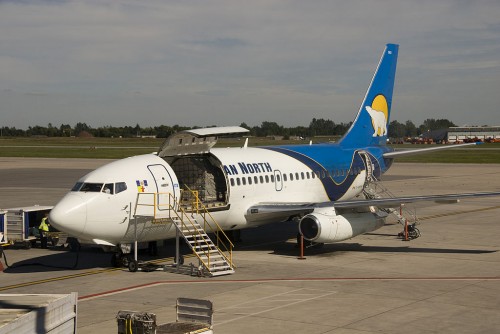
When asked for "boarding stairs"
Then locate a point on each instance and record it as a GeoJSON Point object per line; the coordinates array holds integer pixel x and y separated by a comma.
{"type": "Point", "coordinates": [373, 189]}
{"type": "Point", "coordinates": [211, 257]}
{"type": "Point", "coordinates": [193, 221]}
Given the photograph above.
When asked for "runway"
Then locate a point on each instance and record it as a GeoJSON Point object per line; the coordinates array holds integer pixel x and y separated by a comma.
{"type": "Point", "coordinates": [447, 281]}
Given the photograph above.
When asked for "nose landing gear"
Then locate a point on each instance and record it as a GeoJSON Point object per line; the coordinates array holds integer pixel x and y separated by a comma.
{"type": "Point", "coordinates": [119, 260]}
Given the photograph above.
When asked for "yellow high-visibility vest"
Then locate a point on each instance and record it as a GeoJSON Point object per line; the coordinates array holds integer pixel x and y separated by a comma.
{"type": "Point", "coordinates": [43, 225]}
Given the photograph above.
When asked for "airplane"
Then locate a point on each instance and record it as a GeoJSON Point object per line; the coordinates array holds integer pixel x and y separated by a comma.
{"type": "Point", "coordinates": [323, 186]}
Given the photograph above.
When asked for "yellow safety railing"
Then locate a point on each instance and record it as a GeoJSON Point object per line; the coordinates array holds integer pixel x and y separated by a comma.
{"type": "Point", "coordinates": [223, 242]}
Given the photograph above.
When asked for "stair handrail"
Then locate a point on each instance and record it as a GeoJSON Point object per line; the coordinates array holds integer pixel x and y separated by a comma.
{"type": "Point", "coordinates": [174, 206]}
{"type": "Point", "coordinates": [204, 212]}
{"type": "Point", "coordinates": [386, 191]}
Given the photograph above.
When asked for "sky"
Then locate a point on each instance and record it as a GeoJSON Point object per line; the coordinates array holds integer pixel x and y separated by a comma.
{"type": "Point", "coordinates": [203, 63]}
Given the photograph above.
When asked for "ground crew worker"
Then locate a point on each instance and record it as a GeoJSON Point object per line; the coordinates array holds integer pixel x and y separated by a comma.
{"type": "Point", "coordinates": [44, 230]}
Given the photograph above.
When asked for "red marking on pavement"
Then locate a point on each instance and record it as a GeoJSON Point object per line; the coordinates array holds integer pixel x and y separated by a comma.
{"type": "Point", "coordinates": [338, 279]}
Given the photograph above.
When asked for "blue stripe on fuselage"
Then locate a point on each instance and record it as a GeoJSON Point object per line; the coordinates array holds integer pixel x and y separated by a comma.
{"type": "Point", "coordinates": [335, 185]}
{"type": "Point", "coordinates": [330, 158]}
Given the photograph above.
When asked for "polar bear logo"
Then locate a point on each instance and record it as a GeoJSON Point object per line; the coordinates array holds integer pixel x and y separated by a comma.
{"type": "Point", "coordinates": [379, 121]}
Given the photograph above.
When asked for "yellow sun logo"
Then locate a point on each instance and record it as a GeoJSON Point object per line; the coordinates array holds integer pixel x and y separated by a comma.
{"type": "Point", "coordinates": [378, 112]}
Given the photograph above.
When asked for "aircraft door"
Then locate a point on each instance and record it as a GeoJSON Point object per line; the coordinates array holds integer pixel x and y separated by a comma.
{"type": "Point", "coordinates": [165, 185]}
{"type": "Point", "coordinates": [278, 180]}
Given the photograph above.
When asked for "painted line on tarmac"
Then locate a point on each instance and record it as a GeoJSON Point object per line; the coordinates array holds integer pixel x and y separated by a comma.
{"type": "Point", "coordinates": [282, 304]}
{"type": "Point", "coordinates": [271, 280]}
{"type": "Point", "coordinates": [65, 277]}
{"type": "Point", "coordinates": [60, 278]}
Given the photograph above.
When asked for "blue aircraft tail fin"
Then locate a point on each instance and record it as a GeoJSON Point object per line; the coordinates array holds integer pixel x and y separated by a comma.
{"type": "Point", "coordinates": [370, 126]}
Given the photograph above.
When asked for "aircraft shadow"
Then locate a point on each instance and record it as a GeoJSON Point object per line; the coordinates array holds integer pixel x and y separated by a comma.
{"type": "Point", "coordinates": [58, 260]}
{"type": "Point", "coordinates": [86, 258]}
{"type": "Point", "coordinates": [272, 238]}
{"type": "Point", "coordinates": [262, 239]}
{"type": "Point", "coordinates": [340, 248]}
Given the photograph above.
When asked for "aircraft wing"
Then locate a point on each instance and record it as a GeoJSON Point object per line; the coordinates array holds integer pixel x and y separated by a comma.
{"type": "Point", "coordinates": [399, 153]}
{"type": "Point", "coordinates": [268, 211]}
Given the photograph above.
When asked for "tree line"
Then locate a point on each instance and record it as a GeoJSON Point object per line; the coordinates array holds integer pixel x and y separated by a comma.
{"type": "Point", "coordinates": [317, 127]}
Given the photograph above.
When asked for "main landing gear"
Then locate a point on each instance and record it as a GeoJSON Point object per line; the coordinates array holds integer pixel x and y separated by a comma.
{"type": "Point", "coordinates": [122, 256]}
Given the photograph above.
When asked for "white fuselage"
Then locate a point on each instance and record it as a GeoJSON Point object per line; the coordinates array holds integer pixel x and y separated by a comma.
{"type": "Point", "coordinates": [249, 176]}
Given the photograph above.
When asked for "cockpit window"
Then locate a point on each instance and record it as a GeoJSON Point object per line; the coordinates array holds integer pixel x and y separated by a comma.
{"type": "Point", "coordinates": [108, 188]}
{"type": "Point", "coordinates": [91, 187]}
{"type": "Point", "coordinates": [120, 186]}
{"type": "Point", "coordinates": [77, 186]}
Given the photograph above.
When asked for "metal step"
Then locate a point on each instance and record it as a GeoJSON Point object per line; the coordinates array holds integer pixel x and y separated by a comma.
{"type": "Point", "coordinates": [201, 244]}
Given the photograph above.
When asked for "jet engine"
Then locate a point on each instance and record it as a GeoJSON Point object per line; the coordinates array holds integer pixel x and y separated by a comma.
{"type": "Point", "coordinates": [325, 225]}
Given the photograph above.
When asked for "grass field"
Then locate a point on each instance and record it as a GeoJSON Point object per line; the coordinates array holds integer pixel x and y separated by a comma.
{"type": "Point", "coordinates": [116, 148]}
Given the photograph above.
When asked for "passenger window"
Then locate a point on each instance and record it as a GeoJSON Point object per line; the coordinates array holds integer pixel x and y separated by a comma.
{"type": "Point", "coordinates": [302, 175]}
{"type": "Point", "coordinates": [272, 178]}
{"type": "Point", "coordinates": [249, 180]}
{"type": "Point", "coordinates": [256, 179]}
{"type": "Point", "coordinates": [284, 177]}
{"type": "Point", "coordinates": [238, 182]}
{"type": "Point", "coordinates": [108, 188]}
{"type": "Point", "coordinates": [261, 179]}
{"type": "Point", "coordinates": [297, 176]}
{"type": "Point", "coordinates": [267, 178]}
{"type": "Point", "coordinates": [244, 181]}
{"type": "Point", "coordinates": [120, 186]}
{"type": "Point", "coordinates": [232, 182]}
{"type": "Point", "coordinates": [291, 177]}
{"type": "Point", "coordinates": [278, 178]}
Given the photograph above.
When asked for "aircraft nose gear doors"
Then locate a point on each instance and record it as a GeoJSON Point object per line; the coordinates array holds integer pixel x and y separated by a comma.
{"type": "Point", "coordinates": [165, 184]}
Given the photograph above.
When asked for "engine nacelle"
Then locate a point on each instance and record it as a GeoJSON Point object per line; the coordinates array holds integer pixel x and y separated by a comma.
{"type": "Point", "coordinates": [324, 225]}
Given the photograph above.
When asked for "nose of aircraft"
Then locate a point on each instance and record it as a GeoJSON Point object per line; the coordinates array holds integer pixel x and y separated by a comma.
{"type": "Point", "coordinates": [70, 214]}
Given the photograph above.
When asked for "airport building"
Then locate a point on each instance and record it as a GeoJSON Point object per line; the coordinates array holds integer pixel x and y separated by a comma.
{"type": "Point", "coordinates": [461, 134]}
{"type": "Point", "coordinates": [482, 133]}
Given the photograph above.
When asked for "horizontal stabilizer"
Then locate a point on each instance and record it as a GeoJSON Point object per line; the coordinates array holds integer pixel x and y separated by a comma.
{"type": "Point", "coordinates": [396, 154]}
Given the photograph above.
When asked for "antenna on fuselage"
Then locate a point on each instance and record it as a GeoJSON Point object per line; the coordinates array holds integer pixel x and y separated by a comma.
{"type": "Point", "coordinates": [246, 143]}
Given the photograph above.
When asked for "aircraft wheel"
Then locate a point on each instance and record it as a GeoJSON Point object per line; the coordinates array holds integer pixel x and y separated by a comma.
{"type": "Point", "coordinates": [133, 266]}
{"type": "Point", "coordinates": [126, 259]}
{"type": "Point", "coordinates": [27, 244]}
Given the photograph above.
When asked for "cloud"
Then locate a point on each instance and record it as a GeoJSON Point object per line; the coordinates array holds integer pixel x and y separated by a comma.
{"type": "Point", "coordinates": [226, 62]}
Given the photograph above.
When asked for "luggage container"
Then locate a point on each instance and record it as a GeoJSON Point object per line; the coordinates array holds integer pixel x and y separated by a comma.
{"type": "Point", "coordinates": [38, 313]}
{"type": "Point", "coordinates": [3, 218]}
{"type": "Point", "coordinates": [131, 322]}
{"type": "Point", "coordinates": [22, 223]}
{"type": "Point", "coordinates": [193, 316]}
